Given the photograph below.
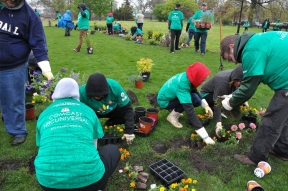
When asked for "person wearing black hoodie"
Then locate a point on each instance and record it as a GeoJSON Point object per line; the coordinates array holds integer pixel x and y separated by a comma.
{"type": "Point", "coordinates": [223, 83]}
{"type": "Point", "coordinates": [109, 100]}
{"type": "Point", "coordinates": [20, 31]}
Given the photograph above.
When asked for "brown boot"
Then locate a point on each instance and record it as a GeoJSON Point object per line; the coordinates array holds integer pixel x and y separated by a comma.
{"type": "Point", "coordinates": [244, 159]}
{"type": "Point", "coordinates": [77, 49]}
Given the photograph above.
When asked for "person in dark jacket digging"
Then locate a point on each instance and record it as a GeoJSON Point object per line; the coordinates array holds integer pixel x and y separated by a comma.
{"type": "Point", "coordinates": [222, 84]}
{"type": "Point", "coordinates": [261, 63]}
{"type": "Point", "coordinates": [109, 100]}
{"type": "Point", "coordinates": [180, 94]}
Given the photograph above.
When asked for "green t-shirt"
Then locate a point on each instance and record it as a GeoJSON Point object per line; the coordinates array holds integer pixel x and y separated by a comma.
{"type": "Point", "coordinates": [191, 23]}
{"type": "Point", "coordinates": [67, 157]}
{"type": "Point", "coordinates": [179, 87]}
{"type": "Point", "coordinates": [116, 27]}
{"type": "Point", "coordinates": [117, 96]}
{"type": "Point", "coordinates": [246, 24]}
{"type": "Point", "coordinates": [197, 16]}
{"type": "Point", "coordinates": [109, 20]}
{"type": "Point", "coordinates": [176, 17]}
{"type": "Point", "coordinates": [83, 22]}
{"type": "Point", "coordinates": [59, 16]}
{"type": "Point", "coordinates": [269, 59]}
{"type": "Point", "coordinates": [276, 25]}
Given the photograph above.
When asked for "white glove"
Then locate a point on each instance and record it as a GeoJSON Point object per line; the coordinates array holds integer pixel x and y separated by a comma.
{"type": "Point", "coordinates": [204, 135]}
{"type": "Point", "coordinates": [46, 69]}
{"type": "Point", "coordinates": [218, 129]}
{"type": "Point", "coordinates": [208, 110]}
{"type": "Point", "coordinates": [225, 104]}
{"type": "Point", "coordinates": [129, 138]}
{"type": "Point", "coordinates": [225, 96]}
{"type": "Point", "coordinates": [246, 104]}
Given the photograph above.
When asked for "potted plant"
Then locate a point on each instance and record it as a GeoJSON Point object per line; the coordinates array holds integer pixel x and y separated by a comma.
{"type": "Point", "coordinates": [137, 80]}
{"type": "Point", "coordinates": [196, 140]}
{"type": "Point", "coordinates": [112, 134]}
{"type": "Point", "coordinates": [144, 66]}
{"type": "Point", "coordinates": [207, 19]}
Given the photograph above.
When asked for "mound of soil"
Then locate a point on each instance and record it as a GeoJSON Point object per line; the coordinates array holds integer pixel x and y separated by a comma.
{"type": "Point", "coordinates": [152, 98]}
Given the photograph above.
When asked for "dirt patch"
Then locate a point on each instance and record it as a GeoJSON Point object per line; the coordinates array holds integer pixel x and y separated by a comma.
{"type": "Point", "coordinates": [31, 164]}
{"type": "Point", "coordinates": [160, 148]}
{"type": "Point", "coordinates": [152, 98]}
{"type": "Point", "coordinates": [11, 164]}
{"type": "Point", "coordinates": [133, 97]}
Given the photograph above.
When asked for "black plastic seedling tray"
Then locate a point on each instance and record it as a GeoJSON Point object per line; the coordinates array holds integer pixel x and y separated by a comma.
{"type": "Point", "coordinates": [167, 172]}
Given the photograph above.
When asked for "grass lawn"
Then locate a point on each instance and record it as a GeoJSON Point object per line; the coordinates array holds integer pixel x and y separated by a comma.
{"type": "Point", "coordinates": [214, 166]}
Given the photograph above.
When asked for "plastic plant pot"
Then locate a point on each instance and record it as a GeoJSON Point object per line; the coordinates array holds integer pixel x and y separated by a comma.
{"type": "Point", "coordinates": [139, 112]}
{"type": "Point", "coordinates": [145, 124]}
{"type": "Point", "coordinates": [30, 111]}
{"type": "Point", "coordinates": [153, 113]}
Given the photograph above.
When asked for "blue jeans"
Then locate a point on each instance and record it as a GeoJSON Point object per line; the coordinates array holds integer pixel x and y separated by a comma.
{"type": "Point", "coordinates": [203, 36]}
{"type": "Point", "coordinates": [177, 106]}
{"type": "Point", "coordinates": [190, 35]}
{"type": "Point", "coordinates": [12, 99]}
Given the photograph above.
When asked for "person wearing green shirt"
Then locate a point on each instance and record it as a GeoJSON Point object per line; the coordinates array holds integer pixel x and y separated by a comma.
{"type": "Point", "coordinates": [266, 63]}
{"type": "Point", "coordinates": [246, 25]}
{"type": "Point", "coordinates": [83, 24]}
{"type": "Point", "coordinates": [200, 33]}
{"type": "Point", "coordinates": [180, 94]}
{"type": "Point", "coordinates": [37, 13]}
{"type": "Point", "coordinates": [109, 100]}
{"type": "Point", "coordinates": [175, 26]}
{"type": "Point", "coordinates": [58, 16]}
{"type": "Point", "coordinates": [265, 25]}
{"type": "Point", "coordinates": [135, 32]}
{"type": "Point", "coordinates": [66, 134]}
{"type": "Point", "coordinates": [276, 25]}
{"type": "Point", "coordinates": [109, 23]}
{"type": "Point", "coordinates": [190, 28]}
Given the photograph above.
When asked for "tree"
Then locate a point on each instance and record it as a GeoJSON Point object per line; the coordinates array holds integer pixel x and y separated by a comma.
{"type": "Point", "coordinates": [158, 12]}
{"type": "Point", "coordinates": [188, 7]}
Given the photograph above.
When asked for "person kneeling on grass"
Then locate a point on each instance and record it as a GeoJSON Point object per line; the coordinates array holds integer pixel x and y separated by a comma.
{"type": "Point", "coordinates": [180, 94]}
{"type": "Point", "coordinates": [67, 133]}
{"type": "Point", "coordinates": [222, 84]}
{"type": "Point", "coordinates": [109, 100]}
{"type": "Point", "coordinates": [134, 31]}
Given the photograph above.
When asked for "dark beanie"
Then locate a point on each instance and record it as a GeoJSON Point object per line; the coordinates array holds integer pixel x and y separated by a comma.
{"type": "Point", "coordinates": [97, 85]}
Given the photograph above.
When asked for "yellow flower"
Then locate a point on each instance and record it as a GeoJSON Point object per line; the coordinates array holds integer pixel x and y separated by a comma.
{"type": "Point", "coordinates": [186, 186]}
{"type": "Point", "coordinates": [121, 130]}
{"type": "Point", "coordinates": [189, 180]}
{"type": "Point", "coordinates": [193, 189]}
{"type": "Point", "coordinates": [162, 189]}
{"type": "Point", "coordinates": [174, 185]}
{"type": "Point", "coordinates": [33, 101]}
{"type": "Point", "coordinates": [132, 184]}
{"type": "Point", "coordinates": [122, 157]}
{"type": "Point", "coordinates": [195, 181]}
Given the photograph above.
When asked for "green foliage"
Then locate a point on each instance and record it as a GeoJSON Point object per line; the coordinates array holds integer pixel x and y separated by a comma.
{"type": "Point", "coordinates": [128, 37]}
{"type": "Point", "coordinates": [186, 5]}
{"type": "Point", "coordinates": [134, 78]}
{"type": "Point", "coordinates": [159, 14]}
{"type": "Point", "coordinates": [153, 42]}
{"type": "Point", "coordinates": [157, 35]}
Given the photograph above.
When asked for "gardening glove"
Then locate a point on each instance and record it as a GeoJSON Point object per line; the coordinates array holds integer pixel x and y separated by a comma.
{"type": "Point", "coordinates": [46, 69]}
{"type": "Point", "coordinates": [246, 104]}
{"type": "Point", "coordinates": [129, 138]}
{"type": "Point", "coordinates": [224, 96]}
{"type": "Point", "coordinates": [208, 110]}
{"type": "Point", "coordinates": [218, 129]}
{"type": "Point", "coordinates": [225, 104]}
{"type": "Point", "coordinates": [204, 135]}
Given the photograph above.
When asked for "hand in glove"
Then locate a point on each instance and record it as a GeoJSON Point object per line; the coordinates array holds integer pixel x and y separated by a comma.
{"type": "Point", "coordinates": [129, 138]}
{"type": "Point", "coordinates": [204, 135]}
{"type": "Point", "coordinates": [208, 110]}
{"type": "Point", "coordinates": [226, 104]}
{"type": "Point", "coordinates": [46, 69]}
{"type": "Point", "coordinates": [218, 129]}
{"type": "Point", "coordinates": [246, 104]}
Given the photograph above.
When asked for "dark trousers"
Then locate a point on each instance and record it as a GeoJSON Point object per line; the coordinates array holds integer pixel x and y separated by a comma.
{"type": "Point", "coordinates": [67, 31]}
{"type": "Point", "coordinates": [273, 130]}
{"type": "Point", "coordinates": [140, 26]}
{"type": "Point", "coordinates": [190, 36]}
{"type": "Point", "coordinates": [246, 29]}
{"type": "Point", "coordinates": [203, 36]}
{"type": "Point", "coordinates": [216, 110]}
{"type": "Point", "coordinates": [175, 35]}
{"type": "Point", "coordinates": [110, 156]}
{"type": "Point", "coordinates": [264, 30]}
{"type": "Point", "coordinates": [109, 27]}
{"type": "Point", "coordinates": [115, 117]}
{"type": "Point", "coordinates": [177, 106]}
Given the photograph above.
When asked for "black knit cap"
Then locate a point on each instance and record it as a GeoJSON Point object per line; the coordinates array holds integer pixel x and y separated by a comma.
{"type": "Point", "coordinates": [97, 85]}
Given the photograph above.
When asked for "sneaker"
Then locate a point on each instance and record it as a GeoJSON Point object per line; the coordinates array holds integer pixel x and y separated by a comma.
{"type": "Point", "coordinates": [202, 54]}
{"type": "Point", "coordinates": [244, 159]}
{"type": "Point", "coordinates": [18, 141]}
{"type": "Point", "coordinates": [171, 52]}
{"type": "Point", "coordinates": [195, 50]}
{"type": "Point", "coordinates": [179, 48]}
{"type": "Point", "coordinates": [276, 155]}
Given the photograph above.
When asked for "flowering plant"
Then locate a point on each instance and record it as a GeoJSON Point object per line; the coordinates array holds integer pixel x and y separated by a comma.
{"type": "Point", "coordinates": [132, 175]}
{"type": "Point", "coordinates": [248, 110]}
{"type": "Point", "coordinates": [116, 130]}
{"type": "Point", "coordinates": [45, 87]}
{"type": "Point", "coordinates": [204, 117]}
{"type": "Point", "coordinates": [144, 65]}
{"type": "Point", "coordinates": [187, 184]}
{"type": "Point", "coordinates": [195, 137]}
{"type": "Point", "coordinates": [38, 98]}
{"type": "Point", "coordinates": [124, 153]}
